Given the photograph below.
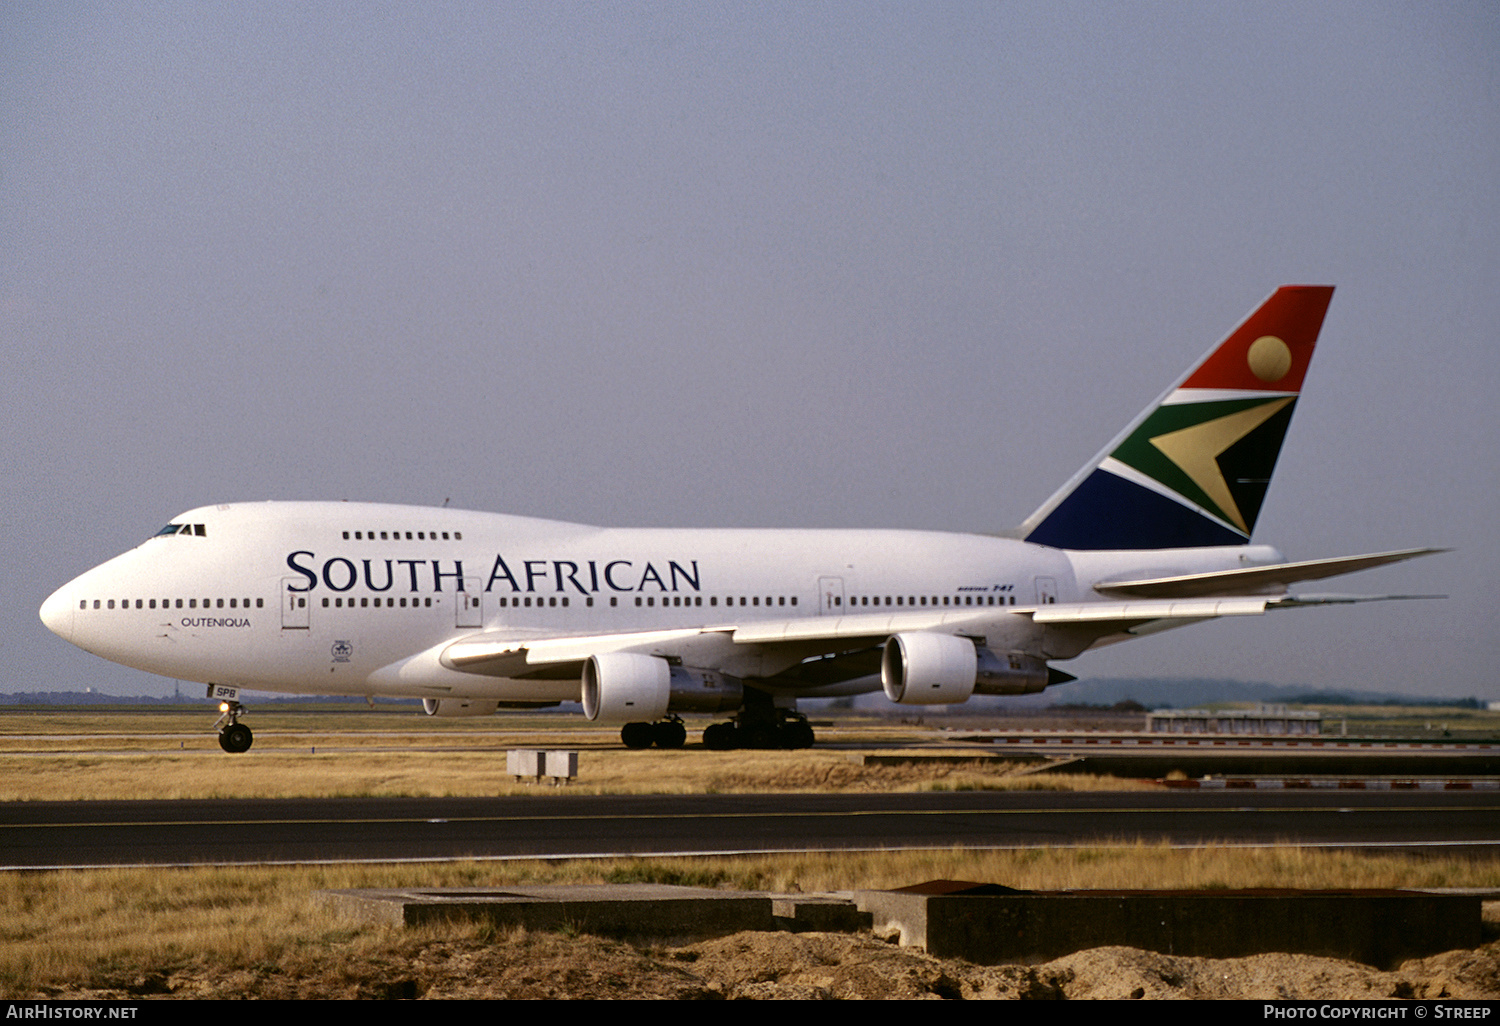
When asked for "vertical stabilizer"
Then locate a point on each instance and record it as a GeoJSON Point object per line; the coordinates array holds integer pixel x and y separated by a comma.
{"type": "Point", "coordinates": [1193, 468]}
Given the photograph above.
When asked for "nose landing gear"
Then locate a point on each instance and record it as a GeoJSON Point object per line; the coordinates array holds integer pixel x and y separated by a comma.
{"type": "Point", "coordinates": [234, 736]}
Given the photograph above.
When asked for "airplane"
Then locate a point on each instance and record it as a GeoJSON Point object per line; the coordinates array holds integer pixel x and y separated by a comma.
{"type": "Point", "coordinates": [474, 612]}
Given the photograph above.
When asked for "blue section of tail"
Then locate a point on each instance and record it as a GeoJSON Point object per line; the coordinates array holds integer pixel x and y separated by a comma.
{"type": "Point", "coordinates": [1109, 512]}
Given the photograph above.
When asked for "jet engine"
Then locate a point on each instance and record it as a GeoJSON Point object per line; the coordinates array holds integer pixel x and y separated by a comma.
{"type": "Point", "coordinates": [923, 668]}
{"type": "Point", "coordinates": [459, 706]}
{"type": "Point", "coordinates": [628, 687]}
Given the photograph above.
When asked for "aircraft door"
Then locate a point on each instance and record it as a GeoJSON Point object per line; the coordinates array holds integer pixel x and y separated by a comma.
{"type": "Point", "coordinates": [467, 604]}
{"type": "Point", "coordinates": [831, 596]}
{"type": "Point", "coordinates": [1046, 591]}
{"type": "Point", "coordinates": [295, 611]}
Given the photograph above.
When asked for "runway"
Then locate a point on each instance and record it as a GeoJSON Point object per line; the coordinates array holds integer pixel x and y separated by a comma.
{"type": "Point", "coordinates": [52, 835]}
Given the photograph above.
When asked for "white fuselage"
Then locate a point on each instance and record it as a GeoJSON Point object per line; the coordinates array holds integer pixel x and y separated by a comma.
{"type": "Point", "coordinates": [362, 599]}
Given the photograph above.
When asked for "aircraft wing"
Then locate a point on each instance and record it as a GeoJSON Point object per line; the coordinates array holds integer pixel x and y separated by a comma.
{"type": "Point", "coordinates": [520, 657]}
{"type": "Point", "coordinates": [1129, 612]}
{"type": "Point", "coordinates": [524, 656]}
{"type": "Point", "coordinates": [1255, 579]}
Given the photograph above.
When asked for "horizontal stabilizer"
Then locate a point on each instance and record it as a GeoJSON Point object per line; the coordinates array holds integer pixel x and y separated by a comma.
{"type": "Point", "coordinates": [1255, 579]}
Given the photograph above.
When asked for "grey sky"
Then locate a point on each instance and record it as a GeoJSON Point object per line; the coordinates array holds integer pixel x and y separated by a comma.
{"type": "Point", "coordinates": [807, 265]}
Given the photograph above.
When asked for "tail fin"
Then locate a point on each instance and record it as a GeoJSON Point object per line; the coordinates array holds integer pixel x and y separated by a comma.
{"type": "Point", "coordinates": [1193, 468]}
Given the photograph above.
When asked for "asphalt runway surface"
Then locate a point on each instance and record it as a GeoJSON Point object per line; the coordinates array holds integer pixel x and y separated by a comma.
{"type": "Point", "coordinates": [35, 835]}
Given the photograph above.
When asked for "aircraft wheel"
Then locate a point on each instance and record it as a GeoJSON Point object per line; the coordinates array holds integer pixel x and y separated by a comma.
{"type": "Point", "coordinates": [669, 734]}
{"type": "Point", "coordinates": [236, 738]}
{"type": "Point", "coordinates": [798, 734]}
{"type": "Point", "coordinates": [719, 736]}
{"type": "Point", "coordinates": [760, 735]}
{"type": "Point", "coordinates": [637, 735]}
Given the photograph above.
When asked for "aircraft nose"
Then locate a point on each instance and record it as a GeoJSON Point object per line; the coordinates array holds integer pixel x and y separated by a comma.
{"type": "Point", "coordinates": [57, 613]}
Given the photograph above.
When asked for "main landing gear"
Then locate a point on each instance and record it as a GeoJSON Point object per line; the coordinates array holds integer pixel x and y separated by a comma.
{"type": "Point", "coordinates": [761, 723]}
{"type": "Point", "coordinates": [665, 734]}
{"type": "Point", "coordinates": [234, 736]}
{"type": "Point", "coordinates": [793, 732]}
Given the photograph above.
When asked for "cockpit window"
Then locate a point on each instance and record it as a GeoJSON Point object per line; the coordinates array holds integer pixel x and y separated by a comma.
{"type": "Point", "coordinates": [199, 530]}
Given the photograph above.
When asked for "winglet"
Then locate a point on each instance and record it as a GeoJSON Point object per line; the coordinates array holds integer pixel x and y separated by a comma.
{"type": "Point", "coordinates": [1193, 468]}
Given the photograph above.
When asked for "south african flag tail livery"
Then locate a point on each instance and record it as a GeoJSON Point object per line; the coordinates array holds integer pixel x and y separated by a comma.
{"type": "Point", "coordinates": [1193, 468]}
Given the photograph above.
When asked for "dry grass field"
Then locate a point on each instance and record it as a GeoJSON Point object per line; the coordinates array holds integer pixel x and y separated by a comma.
{"type": "Point", "coordinates": [73, 756]}
{"type": "Point", "coordinates": [259, 932]}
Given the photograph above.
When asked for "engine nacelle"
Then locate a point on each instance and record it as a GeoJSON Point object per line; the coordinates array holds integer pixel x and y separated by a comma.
{"type": "Point", "coordinates": [923, 668]}
{"type": "Point", "coordinates": [459, 706]}
{"type": "Point", "coordinates": [1014, 673]}
{"type": "Point", "coordinates": [705, 691]}
{"type": "Point", "coordinates": [626, 687]}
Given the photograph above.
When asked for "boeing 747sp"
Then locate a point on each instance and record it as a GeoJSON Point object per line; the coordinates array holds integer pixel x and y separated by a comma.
{"type": "Point", "coordinates": [472, 612]}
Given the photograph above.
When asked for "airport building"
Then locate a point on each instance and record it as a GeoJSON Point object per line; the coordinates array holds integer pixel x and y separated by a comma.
{"type": "Point", "coordinates": [1265, 719]}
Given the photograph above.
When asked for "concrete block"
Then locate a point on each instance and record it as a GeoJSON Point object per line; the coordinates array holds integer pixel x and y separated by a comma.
{"type": "Point", "coordinates": [648, 910]}
{"type": "Point", "coordinates": [1379, 928]}
{"type": "Point", "coordinates": [523, 762]}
